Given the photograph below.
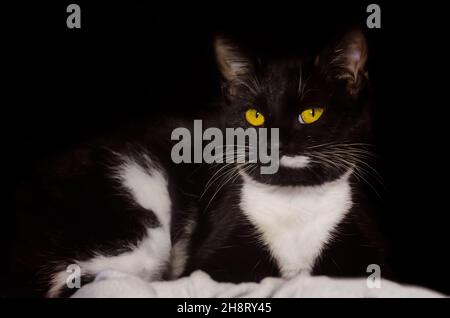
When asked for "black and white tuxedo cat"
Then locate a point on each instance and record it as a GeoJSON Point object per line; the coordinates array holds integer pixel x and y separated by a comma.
{"type": "Point", "coordinates": [120, 203]}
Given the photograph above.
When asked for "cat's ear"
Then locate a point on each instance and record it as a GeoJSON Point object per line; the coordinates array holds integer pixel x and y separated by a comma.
{"type": "Point", "coordinates": [233, 62]}
{"type": "Point", "coordinates": [346, 60]}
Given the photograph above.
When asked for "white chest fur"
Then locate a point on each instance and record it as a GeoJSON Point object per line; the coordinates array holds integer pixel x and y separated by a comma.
{"type": "Point", "coordinates": [295, 222]}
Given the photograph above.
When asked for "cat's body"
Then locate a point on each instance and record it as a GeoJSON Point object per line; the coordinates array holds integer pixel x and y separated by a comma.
{"type": "Point", "coordinates": [244, 240]}
{"type": "Point", "coordinates": [122, 204]}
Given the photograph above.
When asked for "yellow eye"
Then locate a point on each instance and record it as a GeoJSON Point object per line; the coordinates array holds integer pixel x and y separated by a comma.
{"type": "Point", "coordinates": [254, 117]}
{"type": "Point", "coordinates": [310, 115]}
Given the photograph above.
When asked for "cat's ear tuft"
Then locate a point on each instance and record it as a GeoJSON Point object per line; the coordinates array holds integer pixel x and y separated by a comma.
{"type": "Point", "coordinates": [232, 61]}
{"type": "Point", "coordinates": [346, 60]}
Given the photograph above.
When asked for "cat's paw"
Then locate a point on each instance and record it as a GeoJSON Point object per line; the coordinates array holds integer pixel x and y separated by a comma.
{"type": "Point", "coordinates": [111, 274]}
{"type": "Point", "coordinates": [115, 284]}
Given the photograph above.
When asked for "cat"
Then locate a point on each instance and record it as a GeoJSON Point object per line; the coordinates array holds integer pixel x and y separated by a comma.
{"type": "Point", "coordinates": [120, 203]}
{"type": "Point", "coordinates": [309, 216]}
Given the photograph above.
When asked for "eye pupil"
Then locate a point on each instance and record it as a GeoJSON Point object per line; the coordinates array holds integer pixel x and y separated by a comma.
{"type": "Point", "coordinates": [257, 114]}
{"type": "Point", "coordinates": [313, 112]}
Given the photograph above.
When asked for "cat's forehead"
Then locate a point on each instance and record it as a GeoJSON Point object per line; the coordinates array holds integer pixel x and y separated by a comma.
{"type": "Point", "coordinates": [285, 76]}
{"type": "Point", "coordinates": [287, 72]}
{"type": "Point", "coordinates": [282, 66]}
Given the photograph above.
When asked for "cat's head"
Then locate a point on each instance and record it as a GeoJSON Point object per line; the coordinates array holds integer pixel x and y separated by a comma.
{"type": "Point", "coordinates": [317, 103]}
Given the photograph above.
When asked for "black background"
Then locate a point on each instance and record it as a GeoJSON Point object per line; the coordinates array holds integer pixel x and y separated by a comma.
{"type": "Point", "coordinates": [133, 60]}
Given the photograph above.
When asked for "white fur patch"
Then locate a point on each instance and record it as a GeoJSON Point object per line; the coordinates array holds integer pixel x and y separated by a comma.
{"type": "Point", "coordinates": [147, 261]}
{"type": "Point", "coordinates": [294, 161]}
{"type": "Point", "coordinates": [149, 258]}
{"type": "Point", "coordinates": [295, 222]}
{"type": "Point", "coordinates": [149, 189]}
{"type": "Point", "coordinates": [179, 253]}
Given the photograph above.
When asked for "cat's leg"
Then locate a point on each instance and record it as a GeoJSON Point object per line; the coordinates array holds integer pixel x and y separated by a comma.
{"type": "Point", "coordinates": [146, 186]}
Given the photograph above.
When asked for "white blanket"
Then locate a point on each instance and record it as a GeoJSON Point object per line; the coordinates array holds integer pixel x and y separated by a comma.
{"type": "Point", "coordinates": [199, 284]}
